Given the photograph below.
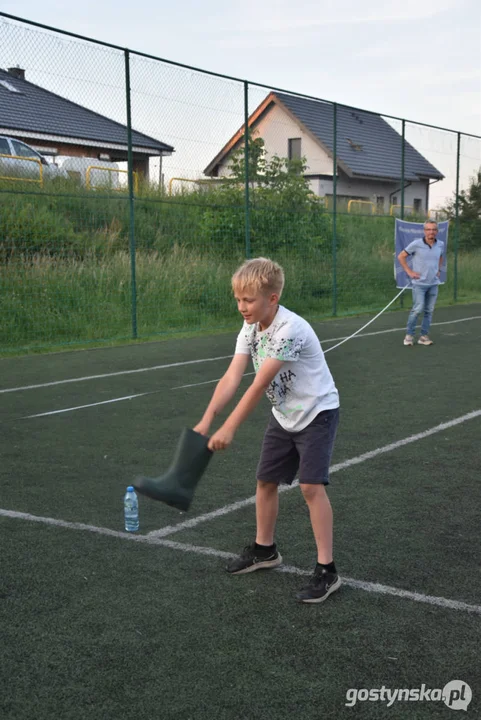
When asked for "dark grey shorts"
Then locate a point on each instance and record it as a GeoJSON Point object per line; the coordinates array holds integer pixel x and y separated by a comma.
{"type": "Point", "coordinates": [308, 451]}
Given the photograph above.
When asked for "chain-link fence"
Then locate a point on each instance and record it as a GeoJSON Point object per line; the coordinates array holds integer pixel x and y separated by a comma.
{"type": "Point", "coordinates": [130, 191]}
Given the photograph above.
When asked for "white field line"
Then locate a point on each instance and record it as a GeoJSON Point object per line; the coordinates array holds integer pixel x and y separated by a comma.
{"type": "Point", "coordinates": [113, 400]}
{"type": "Point", "coordinates": [171, 529]}
{"type": "Point", "coordinates": [192, 362]}
{"type": "Point", "coordinates": [82, 407]}
{"type": "Point", "coordinates": [212, 552]}
{"type": "Point", "coordinates": [345, 338]}
{"type": "Point", "coordinates": [214, 514]}
{"type": "Point", "coordinates": [401, 329]}
{"type": "Point", "coordinates": [113, 374]}
{"type": "Point", "coordinates": [204, 382]}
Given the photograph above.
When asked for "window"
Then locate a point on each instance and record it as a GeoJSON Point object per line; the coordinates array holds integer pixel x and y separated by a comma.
{"type": "Point", "coordinates": [4, 147]}
{"type": "Point", "coordinates": [354, 145]}
{"type": "Point", "coordinates": [380, 203]}
{"type": "Point", "coordinates": [24, 151]}
{"type": "Point", "coordinates": [394, 200]}
{"type": "Point", "coordinates": [8, 86]}
{"type": "Point", "coordinates": [294, 148]}
{"type": "Point", "coordinates": [418, 205]}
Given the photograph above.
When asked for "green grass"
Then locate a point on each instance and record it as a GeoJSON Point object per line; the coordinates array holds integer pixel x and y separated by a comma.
{"type": "Point", "coordinates": [65, 265]}
{"type": "Point", "coordinates": [49, 301]}
{"type": "Point", "coordinates": [100, 627]}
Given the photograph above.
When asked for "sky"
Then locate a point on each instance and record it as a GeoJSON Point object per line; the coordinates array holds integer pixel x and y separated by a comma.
{"type": "Point", "coordinates": [416, 59]}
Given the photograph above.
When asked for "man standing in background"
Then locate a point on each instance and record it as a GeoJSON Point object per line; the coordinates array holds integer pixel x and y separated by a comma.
{"type": "Point", "coordinates": [427, 258]}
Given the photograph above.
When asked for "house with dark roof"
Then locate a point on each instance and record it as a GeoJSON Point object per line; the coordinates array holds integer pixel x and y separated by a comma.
{"type": "Point", "coordinates": [54, 125]}
{"type": "Point", "coordinates": [368, 152]}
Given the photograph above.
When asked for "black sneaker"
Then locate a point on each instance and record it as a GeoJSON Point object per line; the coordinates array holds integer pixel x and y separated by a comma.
{"type": "Point", "coordinates": [320, 586]}
{"type": "Point", "coordinates": [250, 560]}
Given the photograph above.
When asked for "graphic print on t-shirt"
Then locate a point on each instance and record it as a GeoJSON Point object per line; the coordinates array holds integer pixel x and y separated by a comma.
{"type": "Point", "coordinates": [304, 386]}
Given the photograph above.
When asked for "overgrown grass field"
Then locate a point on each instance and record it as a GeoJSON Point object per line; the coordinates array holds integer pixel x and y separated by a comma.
{"type": "Point", "coordinates": [66, 264]}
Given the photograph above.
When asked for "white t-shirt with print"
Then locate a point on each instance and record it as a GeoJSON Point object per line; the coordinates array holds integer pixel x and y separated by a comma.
{"type": "Point", "coordinates": [304, 386]}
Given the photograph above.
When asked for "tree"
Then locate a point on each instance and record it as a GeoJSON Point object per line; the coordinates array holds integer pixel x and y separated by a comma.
{"type": "Point", "coordinates": [278, 177]}
{"type": "Point", "coordinates": [284, 213]}
{"type": "Point", "coordinates": [469, 204]}
{"type": "Point", "coordinates": [469, 210]}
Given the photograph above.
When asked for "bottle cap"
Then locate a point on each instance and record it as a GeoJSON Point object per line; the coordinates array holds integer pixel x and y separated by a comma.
{"type": "Point", "coordinates": [130, 488]}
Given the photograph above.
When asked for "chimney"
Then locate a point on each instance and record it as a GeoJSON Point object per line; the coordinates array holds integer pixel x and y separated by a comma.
{"type": "Point", "coordinates": [17, 72]}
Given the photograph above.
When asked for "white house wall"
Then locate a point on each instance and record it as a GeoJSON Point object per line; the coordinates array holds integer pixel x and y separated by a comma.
{"type": "Point", "coordinates": [371, 190]}
{"type": "Point", "coordinates": [276, 128]}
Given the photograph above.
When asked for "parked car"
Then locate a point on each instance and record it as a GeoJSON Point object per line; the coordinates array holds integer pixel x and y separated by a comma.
{"type": "Point", "coordinates": [25, 162]}
{"type": "Point", "coordinates": [92, 172]}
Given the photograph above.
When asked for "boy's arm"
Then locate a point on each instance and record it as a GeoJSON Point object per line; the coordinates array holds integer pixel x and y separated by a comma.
{"type": "Point", "coordinates": [224, 392]}
{"type": "Point", "coordinates": [225, 434]}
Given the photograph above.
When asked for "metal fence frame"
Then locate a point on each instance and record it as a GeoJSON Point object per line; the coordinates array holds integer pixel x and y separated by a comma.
{"type": "Point", "coordinates": [128, 53]}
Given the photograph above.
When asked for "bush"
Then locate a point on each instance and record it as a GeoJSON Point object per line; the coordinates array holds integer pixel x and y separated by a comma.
{"type": "Point", "coordinates": [28, 227]}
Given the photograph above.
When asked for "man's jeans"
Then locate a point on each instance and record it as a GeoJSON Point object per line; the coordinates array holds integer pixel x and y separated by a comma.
{"type": "Point", "coordinates": [424, 300]}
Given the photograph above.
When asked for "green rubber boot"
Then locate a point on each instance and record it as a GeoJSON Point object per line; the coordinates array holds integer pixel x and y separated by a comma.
{"type": "Point", "coordinates": [177, 486]}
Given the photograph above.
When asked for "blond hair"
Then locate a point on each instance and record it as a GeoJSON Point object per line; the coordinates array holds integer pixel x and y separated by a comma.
{"type": "Point", "coordinates": [259, 274]}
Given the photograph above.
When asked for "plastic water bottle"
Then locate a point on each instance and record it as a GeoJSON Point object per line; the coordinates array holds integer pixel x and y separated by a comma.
{"type": "Point", "coordinates": [131, 510]}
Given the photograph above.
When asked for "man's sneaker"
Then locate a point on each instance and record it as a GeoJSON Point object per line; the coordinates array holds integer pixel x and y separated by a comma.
{"type": "Point", "coordinates": [320, 586]}
{"type": "Point", "coordinates": [251, 560]}
{"type": "Point", "coordinates": [409, 340]}
{"type": "Point", "coordinates": [424, 340]}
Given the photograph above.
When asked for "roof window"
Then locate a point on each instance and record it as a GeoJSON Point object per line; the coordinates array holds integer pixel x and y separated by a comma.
{"type": "Point", "coordinates": [8, 86]}
{"type": "Point", "coordinates": [355, 146]}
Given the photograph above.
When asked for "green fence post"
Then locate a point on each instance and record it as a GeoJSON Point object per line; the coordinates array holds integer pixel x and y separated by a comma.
{"type": "Point", "coordinates": [246, 175]}
{"type": "Point", "coordinates": [402, 167]}
{"type": "Point", "coordinates": [130, 175]}
{"type": "Point", "coordinates": [334, 211]}
{"type": "Point", "coordinates": [456, 219]}
{"type": "Point", "coordinates": [403, 160]}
